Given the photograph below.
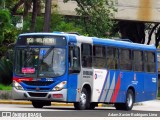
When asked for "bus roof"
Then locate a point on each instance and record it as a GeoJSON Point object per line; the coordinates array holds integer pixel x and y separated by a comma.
{"type": "Point", "coordinates": [123, 44]}
{"type": "Point", "coordinates": [99, 41]}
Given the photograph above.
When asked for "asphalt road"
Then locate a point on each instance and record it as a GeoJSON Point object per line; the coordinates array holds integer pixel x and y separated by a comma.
{"type": "Point", "coordinates": [145, 109]}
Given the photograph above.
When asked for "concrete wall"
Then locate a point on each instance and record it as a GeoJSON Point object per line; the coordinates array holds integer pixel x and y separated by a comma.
{"type": "Point", "coordinates": [138, 10]}
{"type": "Point", "coordinates": [65, 8]}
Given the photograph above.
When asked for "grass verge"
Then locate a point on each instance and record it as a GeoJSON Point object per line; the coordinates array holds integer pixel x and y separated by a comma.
{"type": "Point", "coordinates": [5, 87]}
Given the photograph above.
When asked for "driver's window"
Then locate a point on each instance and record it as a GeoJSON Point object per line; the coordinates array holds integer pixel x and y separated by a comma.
{"type": "Point", "coordinates": [74, 59]}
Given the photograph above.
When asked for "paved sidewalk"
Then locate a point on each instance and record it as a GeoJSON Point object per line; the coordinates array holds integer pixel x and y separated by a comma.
{"type": "Point", "coordinates": [2, 101]}
{"type": "Point", "coordinates": [29, 103]}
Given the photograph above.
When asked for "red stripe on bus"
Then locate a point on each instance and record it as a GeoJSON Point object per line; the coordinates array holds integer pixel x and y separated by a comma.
{"type": "Point", "coordinates": [22, 79]}
{"type": "Point", "coordinates": [115, 94]}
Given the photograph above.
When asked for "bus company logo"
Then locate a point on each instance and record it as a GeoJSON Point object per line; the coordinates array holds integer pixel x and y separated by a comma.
{"type": "Point", "coordinates": [37, 88]}
{"type": "Point", "coordinates": [98, 76]}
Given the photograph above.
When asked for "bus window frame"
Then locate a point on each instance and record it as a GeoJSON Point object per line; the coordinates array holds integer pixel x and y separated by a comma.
{"type": "Point", "coordinates": [145, 62]}
{"type": "Point", "coordinates": [90, 56]}
{"type": "Point", "coordinates": [72, 71]}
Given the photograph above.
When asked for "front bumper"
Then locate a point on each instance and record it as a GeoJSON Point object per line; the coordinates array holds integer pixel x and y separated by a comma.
{"type": "Point", "coordinates": [38, 95]}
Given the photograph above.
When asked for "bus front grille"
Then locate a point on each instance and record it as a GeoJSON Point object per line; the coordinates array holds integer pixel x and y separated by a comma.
{"type": "Point", "coordinates": [38, 83]}
{"type": "Point", "coordinates": [37, 94]}
{"type": "Point", "coordinates": [35, 89]}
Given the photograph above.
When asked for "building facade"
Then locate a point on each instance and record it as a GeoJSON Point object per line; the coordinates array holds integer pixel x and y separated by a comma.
{"type": "Point", "coordinates": [135, 10]}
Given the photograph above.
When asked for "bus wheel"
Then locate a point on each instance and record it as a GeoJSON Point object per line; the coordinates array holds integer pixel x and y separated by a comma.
{"type": "Point", "coordinates": [128, 105]}
{"type": "Point", "coordinates": [37, 104]}
{"type": "Point", "coordinates": [92, 106]}
{"type": "Point", "coordinates": [84, 101]}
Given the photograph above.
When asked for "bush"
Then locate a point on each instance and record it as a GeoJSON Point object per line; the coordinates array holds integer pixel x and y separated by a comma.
{"type": "Point", "coordinates": [6, 67]}
{"type": "Point", "coordinates": [8, 32]}
{"type": "Point", "coordinates": [5, 87]}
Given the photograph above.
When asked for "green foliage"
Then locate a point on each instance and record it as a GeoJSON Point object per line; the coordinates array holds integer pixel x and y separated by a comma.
{"type": "Point", "coordinates": [4, 23]}
{"type": "Point", "coordinates": [8, 32]}
{"type": "Point", "coordinates": [58, 23]}
{"type": "Point", "coordinates": [5, 87]}
{"type": "Point", "coordinates": [4, 18]}
{"type": "Point", "coordinates": [6, 68]}
{"type": "Point", "coordinates": [96, 16]}
{"type": "Point", "coordinates": [67, 27]}
{"type": "Point", "coordinates": [9, 4]}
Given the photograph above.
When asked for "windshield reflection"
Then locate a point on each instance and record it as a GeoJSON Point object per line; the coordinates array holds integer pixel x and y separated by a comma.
{"type": "Point", "coordinates": [40, 62]}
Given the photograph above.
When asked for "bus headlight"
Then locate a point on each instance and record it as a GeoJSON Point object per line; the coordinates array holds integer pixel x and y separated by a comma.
{"type": "Point", "coordinates": [59, 86]}
{"type": "Point", "coordinates": [17, 85]}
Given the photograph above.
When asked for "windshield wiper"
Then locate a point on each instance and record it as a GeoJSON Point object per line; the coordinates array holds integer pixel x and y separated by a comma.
{"type": "Point", "coordinates": [47, 53]}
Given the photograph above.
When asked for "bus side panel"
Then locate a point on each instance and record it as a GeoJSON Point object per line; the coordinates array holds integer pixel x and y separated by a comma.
{"type": "Point", "coordinates": [119, 89]}
{"type": "Point", "coordinates": [130, 79]}
{"type": "Point", "coordinates": [114, 88]}
{"type": "Point", "coordinates": [125, 81]}
{"type": "Point", "coordinates": [100, 85]}
{"type": "Point", "coordinates": [150, 86]}
{"type": "Point", "coordinates": [72, 87]}
{"type": "Point", "coordinates": [138, 83]}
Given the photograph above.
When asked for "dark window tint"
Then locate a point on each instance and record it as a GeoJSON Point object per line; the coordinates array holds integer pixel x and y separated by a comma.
{"type": "Point", "coordinates": [112, 57]}
{"type": "Point", "coordinates": [138, 61]}
{"type": "Point", "coordinates": [74, 59]}
{"type": "Point", "coordinates": [86, 52]}
{"type": "Point", "coordinates": [150, 64]}
{"type": "Point", "coordinates": [125, 59]}
{"type": "Point", "coordinates": [99, 58]}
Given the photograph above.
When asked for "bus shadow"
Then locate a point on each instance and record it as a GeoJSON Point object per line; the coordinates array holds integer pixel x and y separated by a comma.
{"type": "Point", "coordinates": [97, 109]}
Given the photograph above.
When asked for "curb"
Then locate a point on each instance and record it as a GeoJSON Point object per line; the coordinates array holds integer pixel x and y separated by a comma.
{"type": "Point", "coordinates": [29, 103]}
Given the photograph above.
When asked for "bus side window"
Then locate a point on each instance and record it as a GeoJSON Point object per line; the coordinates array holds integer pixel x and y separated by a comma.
{"type": "Point", "coordinates": [138, 61]}
{"type": "Point", "coordinates": [86, 53]}
{"type": "Point", "coordinates": [150, 62]}
{"type": "Point", "coordinates": [112, 57]}
{"type": "Point", "coordinates": [74, 59]}
{"type": "Point", "coordinates": [125, 59]}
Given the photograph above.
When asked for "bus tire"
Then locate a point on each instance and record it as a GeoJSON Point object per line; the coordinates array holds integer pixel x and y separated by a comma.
{"type": "Point", "coordinates": [83, 102]}
{"type": "Point", "coordinates": [128, 105]}
{"type": "Point", "coordinates": [37, 104]}
{"type": "Point", "coordinates": [92, 106]}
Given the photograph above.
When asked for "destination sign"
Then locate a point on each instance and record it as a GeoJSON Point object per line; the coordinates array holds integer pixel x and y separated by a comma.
{"type": "Point", "coordinates": [41, 40]}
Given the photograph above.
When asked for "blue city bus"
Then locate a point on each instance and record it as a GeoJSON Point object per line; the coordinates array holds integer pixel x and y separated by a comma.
{"type": "Point", "coordinates": [85, 71]}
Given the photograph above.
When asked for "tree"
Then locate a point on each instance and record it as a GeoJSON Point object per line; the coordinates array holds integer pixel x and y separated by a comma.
{"type": "Point", "coordinates": [34, 15]}
{"type": "Point", "coordinates": [97, 16]}
{"type": "Point", "coordinates": [8, 32]}
{"type": "Point", "coordinates": [27, 5]}
{"type": "Point", "coordinates": [135, 31]}
{"type": "Point", "coordinates": [47, 16]}
{"type": "Point", "coordinates": [6, 4]}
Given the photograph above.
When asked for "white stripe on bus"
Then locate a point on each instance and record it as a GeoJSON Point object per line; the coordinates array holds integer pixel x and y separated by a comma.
{"type": "Point", "coordinates": [111, 90]}
{"type": "Point", "coordinates": [105, 90]}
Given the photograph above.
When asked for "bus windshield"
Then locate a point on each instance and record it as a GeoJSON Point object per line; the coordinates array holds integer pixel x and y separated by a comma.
{"type": "Point", "coordinates": [40, 62]}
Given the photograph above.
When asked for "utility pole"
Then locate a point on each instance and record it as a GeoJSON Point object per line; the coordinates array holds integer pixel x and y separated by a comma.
{"type": "Point", "coordinates": [47, 16]}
